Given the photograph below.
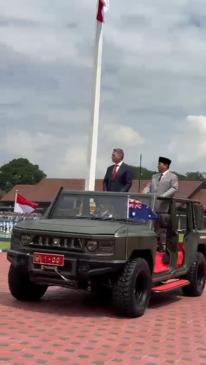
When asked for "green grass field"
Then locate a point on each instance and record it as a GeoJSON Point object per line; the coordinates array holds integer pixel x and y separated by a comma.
{"type": "Point", "coordinates": [4, 245]}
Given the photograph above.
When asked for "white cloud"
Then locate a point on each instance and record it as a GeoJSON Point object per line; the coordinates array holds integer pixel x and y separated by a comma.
{"type": "Point", "coordinates": [43, 44]}
{"type": "Point", "coordinates": [153, 77]}
{"type": "Point", "coordinates": [122, 135]}
{"type": "Point", "coordinates": [74, 163]}
{"type": "Point", "coordinates": [189, 146]}
{"type": "Point", "coordinates": [197, 123]}
{"type": "Point", "coordinates": [24, 143]}
{"type": "Point", "coordinates": [23, 9]}
{"type": "Point", "coordinates": [57, 156]}
{"type": "Point", "coordinates": [43, 32]}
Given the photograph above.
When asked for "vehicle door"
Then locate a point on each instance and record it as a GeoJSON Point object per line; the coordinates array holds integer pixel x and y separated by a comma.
{"type": "Point", "coordinates": [187, 234]}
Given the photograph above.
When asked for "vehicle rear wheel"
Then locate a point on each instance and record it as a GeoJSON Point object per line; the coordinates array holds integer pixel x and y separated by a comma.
{"type": "Point", "coordinates": [21, 286]}
{"type": "Point", "coordinates": [131, 292]}
{"type": "Point", "coordinates": [196, 277]}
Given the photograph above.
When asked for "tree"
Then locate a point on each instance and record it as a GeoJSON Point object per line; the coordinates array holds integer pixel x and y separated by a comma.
{"type": "Point", "coordinates": [19, 171]}
{"type": "Point", "coordinates": [194, 176]}
{"type": "Point", "coordinates": [145, 174]}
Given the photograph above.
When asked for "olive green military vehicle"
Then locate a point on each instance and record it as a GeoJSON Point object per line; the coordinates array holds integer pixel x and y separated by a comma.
{"type": "Point", "coordinates": [103, 241]}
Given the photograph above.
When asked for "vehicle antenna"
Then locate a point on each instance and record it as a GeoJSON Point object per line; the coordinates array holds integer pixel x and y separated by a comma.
{"type": "Point", "coordinates": [140, 170]}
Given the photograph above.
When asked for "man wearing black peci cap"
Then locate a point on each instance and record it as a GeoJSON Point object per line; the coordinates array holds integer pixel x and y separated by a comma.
{"type": "Point", "coordinates": [118, 176]}
{"type": "Point", "coordinates": [164, 183]}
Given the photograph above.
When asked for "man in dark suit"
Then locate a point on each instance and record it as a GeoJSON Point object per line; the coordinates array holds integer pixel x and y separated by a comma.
{"type": "Point", "coordinates": [118, 176]}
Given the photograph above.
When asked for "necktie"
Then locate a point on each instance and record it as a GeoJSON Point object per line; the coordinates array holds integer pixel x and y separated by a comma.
{"type": "Point", "coordinates": [160, 177]}
{"type": "Point", "coordinates": [114, 171]}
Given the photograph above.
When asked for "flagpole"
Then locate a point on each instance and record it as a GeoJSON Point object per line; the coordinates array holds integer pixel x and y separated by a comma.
{"type": "Point", "coordinates": [93, 137]}
{"type": "Point", "coordinates": [15, 197]}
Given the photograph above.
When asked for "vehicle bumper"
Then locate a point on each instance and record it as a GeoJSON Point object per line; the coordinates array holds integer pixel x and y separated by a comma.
{"type": "Point", "coordinates": [77, 269]}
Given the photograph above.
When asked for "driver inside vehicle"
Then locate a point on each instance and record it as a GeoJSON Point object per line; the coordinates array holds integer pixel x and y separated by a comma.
{"type": "Point", "coordinates": [95, 208]}
{"type": "Point", "coordinates": [104, 211]}
{"type": "Point", "coordinates": [102, 207]}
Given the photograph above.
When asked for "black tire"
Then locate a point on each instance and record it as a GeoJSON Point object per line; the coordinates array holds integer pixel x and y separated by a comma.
{"type": "Point", "coordinates": [21, 286]}
{"type": "Point", "coordinates": [131, 292]}
{"type": "Point", "coordinates": [196, 277]}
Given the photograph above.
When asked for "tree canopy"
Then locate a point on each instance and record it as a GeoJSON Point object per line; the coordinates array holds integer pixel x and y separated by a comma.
{"type": "Point", "coordinates": [19, 171]}
{"type": "Point", "coordinates": [22, 171]}
{"type": "Point", "coordinates": [143, 175]}
{"type": "Point", "coordinates": [146, 174]}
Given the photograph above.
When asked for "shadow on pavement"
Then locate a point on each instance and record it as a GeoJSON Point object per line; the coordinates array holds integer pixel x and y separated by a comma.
{"type": "Point", "coordinates": [64, 302]}
{"type": "Point", "coordinates": [78, 303]}
{"type": "Point", "coordinates": [163, 299]}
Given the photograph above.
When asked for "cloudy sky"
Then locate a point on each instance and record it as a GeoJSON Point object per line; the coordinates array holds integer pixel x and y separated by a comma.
{"type": "Point", "coordinates": [153, 95]}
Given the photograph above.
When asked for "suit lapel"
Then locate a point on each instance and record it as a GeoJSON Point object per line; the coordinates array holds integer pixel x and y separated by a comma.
{"type": "Point", "coordinates": [121, 167]}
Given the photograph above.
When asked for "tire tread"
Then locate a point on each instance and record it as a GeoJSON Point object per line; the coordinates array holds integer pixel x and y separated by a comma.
{"type": "Point", "coordinates": [122, 289]}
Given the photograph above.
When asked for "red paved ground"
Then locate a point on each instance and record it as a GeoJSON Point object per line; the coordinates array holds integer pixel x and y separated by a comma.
{"type": "Point", "coordinates": [70, 328]}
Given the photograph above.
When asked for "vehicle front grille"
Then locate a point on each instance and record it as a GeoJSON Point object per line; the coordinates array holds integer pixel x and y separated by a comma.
{"type": "Point", "coordinates": [58, 242]}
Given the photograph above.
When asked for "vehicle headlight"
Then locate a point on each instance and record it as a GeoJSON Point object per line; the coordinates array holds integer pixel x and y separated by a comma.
{"type": "Point", "coordinates": [100, 247]}
{"type": "Point", "coordinates": [26, 239]}
{"type": "Point", "coordinates": [106, 246]}
{"type": "Point", "coordinates": [91, 245]}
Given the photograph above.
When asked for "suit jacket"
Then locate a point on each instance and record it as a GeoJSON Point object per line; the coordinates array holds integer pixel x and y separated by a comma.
{"type": "Point", "coordinates": [122, 181]}
{"type": "Point", "coordinates": [166, 187]}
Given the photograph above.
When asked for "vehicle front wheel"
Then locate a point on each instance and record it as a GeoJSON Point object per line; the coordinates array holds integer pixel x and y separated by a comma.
{"type": "Point", "coordinates": [131, 292]}
{"type": "Point", "coordinates": [196, 277]}
{"type": "Point", "coordinates": [21, 286]}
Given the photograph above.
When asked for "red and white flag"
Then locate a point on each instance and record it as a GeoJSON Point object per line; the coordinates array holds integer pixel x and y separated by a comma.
{"type": "Point", "coordinates": [23, 205]}
{"type": "Point", "coordinates": [103, 6]}
{"type": "Point", "coordinates": [135, 204]}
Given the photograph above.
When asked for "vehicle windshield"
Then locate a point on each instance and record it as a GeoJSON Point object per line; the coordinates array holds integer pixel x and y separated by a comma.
{"type": "Point", "coordinates": [103, 206]}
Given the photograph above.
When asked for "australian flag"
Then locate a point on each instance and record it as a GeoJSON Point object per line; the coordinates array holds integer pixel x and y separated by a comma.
{"type": "Point", "coordinates": [138, 210]}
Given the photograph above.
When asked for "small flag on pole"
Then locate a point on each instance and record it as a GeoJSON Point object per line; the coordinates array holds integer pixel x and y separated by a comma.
{"type": "Point", "coordinates": [103, 6]}
{"type": "Point", "coordinates": [23, 205]}
{"type": "Point", "coordinates": [139, 210]}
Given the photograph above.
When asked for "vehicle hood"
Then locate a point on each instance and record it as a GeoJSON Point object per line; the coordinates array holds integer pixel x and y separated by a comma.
{"type": "Point", "coordinates": [74, 226]}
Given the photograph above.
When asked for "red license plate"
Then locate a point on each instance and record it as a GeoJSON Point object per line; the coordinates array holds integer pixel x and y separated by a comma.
{"type": "Point", "coordinates": [48, 259]}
